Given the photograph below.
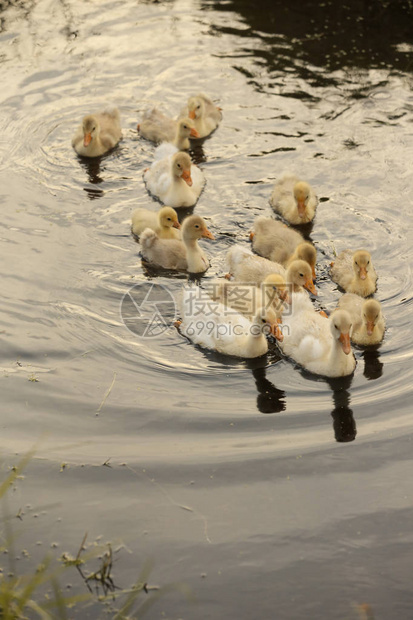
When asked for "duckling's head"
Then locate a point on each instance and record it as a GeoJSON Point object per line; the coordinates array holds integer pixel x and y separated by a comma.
{"type": "Point", "coordinates": [90, 126]}
{"type": "Point", "coordinates": [168, 218]}
{"type": "Point", "coordinates": [299, 273]}
{"type": "Point", "coordinates": [301, 195]}
{"type": "Point", "coordinates": [196, 107]}
{"type": "Point", "coordinates": [361, 263]}
{"type": "Point", "coordinates": [277, 283]}
{"type": "Point", "coordinates": [186, 129]}
{"type": "Point", "coordinates": [307, 252]}
{"type": "Point", "coordinates": [194, 228]}
{"type": "Point", "coordinates": [265, 321]}
{"type": "Point", "coordinates": [371, 314]}
{"type": "Point", "coordinates": [340, 325]}
{"type": "Point", "coordinates": [181, 166]}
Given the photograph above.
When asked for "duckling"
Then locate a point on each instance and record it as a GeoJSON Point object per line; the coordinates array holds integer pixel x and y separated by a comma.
{"type": "Point", "coordinates": [280, 243]}
{"type": "Point", "coordinates": [294, 200]}
{"type": "Point", "coordinates": [319, 344]}
{"type": "Point", "coordinates": [185, 255]}
{"type": "Point", "coordinates": [354, 272]}
{"type": "Point", "coordinates": [247, 267]}
{"type": "Point", "coordinates": [210, 325]}
{"type": "Point", "coordinates": [184, 130]}
{"type": "Point", "coordinates": [175, 181]}
{"type": "Point", "coordinates": [247, 298]}
{"type": "Point", "coordinates": [205, 114]}
{"type": "Point", "coordinates": [157, 126]}
{"type": "Point", "coordinates": [98, 133]}
{"type": "Point", "coordinates": [367, 318]}
{"type": "Point", "coordinates": [165, 222]}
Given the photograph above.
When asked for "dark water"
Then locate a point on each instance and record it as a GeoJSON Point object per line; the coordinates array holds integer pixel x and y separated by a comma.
{"type": "Point", "coordinates": [270, 492]}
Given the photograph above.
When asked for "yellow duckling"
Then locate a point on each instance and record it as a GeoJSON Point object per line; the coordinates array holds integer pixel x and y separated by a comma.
{"type": "Point", "coordinates": [354, 272]}
{"type": "Point", "coordinates": [165, 222]}
{"type": "Point", "coordinates": [204, 113]}
{"type": "Point", "coordinates": [185, 255]}
{"type": "Point", "coordinates": [98, 133]}
{"type": "Point", "coordinates": [211, 325]}
{"type": "Point", "coordinates": [184, 130]}
{"type": "Point", "coordinates": [294, 200]}
{"type": "Point", "coordinates": [280, 243]}
{"type": "Point", "coordinates": [247, 298]}
{"type": "Point", "coordinates": [249, 268]}
{"type": "Point", "coordinates": [367, 318]}
{"type": "Point", "coordinates": [158, 127]}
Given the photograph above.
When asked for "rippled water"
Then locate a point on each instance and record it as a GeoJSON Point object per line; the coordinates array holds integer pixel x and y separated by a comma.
{"type": "Point", "coordinates": [304, 512]}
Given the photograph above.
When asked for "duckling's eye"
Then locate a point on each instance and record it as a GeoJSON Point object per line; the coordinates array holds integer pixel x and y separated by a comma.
{"type": "Point", "coordinates": [356, 263]}
{"type": "Point", "coordinates": [185, 126]}
{"type": "Point", "coordinates": [263, 321]}
{"type": "Point", "coordinates": [335, 326]}
{"type": "Point", "coordinates": [196, 225]}
{"type": "Point", "coordinates": [93, 128]}
{"type": "Point", "coordinates": [368, 262]}
{"type": "Point", "coordinates": [301, 275]}
{"type": "Point", "coordinates": [179, 165]}
{"type": "Point", "coordinates": [274, 288]}
{"type": "Point", "coordinates": [169, 219]}
{"type": "Point", "coordinates": [197, 107]}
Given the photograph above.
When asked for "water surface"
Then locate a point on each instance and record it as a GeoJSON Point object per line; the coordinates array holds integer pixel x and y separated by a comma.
{"type": "Point", "coordinates": [299, 489]}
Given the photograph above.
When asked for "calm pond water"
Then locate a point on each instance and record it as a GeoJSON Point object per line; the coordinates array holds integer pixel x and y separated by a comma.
{"type": "Point", "coordinates": [271, 493]}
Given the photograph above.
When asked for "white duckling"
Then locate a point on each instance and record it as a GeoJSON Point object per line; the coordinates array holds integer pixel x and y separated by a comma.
{"type": "Point", "coordinates": [98, 133]}
{"type": "Point", "coordinates": [204, 113]}
{"type": "Point", "coordinates": [185, 255]}
{"type": "Point", "coordinates": [175, 181]}
{"type": "Point", "coordinates": [280, 243]}
{"type": "Point", "coordinates": [184, 130]}
{"type": "Point", "coordinates": [165, 222]}
{"type": "Point", "coordinates": [210, 325]}
{"type": "Point", "coordinates": [319, 344]}
{"type": "Point", "coordinates": [294, 199]}
{"type": "Point", "coordinates": [367, 318]}
{"type": "Point", "coordinates": [247, 298]}
{"type": "Point", "coordinates": [354, 272]}
{"type": "Point", "coordinates": [247, 267]}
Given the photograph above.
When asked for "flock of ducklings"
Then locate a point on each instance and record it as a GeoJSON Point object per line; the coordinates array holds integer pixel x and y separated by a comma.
{"type": "Point", "coordinates": [266, 290]}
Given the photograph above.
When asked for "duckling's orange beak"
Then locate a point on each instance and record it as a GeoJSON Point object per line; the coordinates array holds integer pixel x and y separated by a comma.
{"type": "Point", "coordinates": [276, 331]}
{"type": "Point", "coordinates": [87, 139]}
{"type": "Point", "coordinates": [345, 343]}
{"type": "Point", "coordinates": [363, 273]}
{"type": "Point", "coordinates": [301, 208]}
{"type": "Point", "coordinates": [176, 225]}
{"type": "Point", "coordinates": [309, 285]}
{"type": "Point", "coordinates": [370, 327]}
{"type": "Point", "coordinates": [194, 133]}
{"type": "Point", "coordinates": [192, 114]}
{"type": "Point", "coordinates": [186, 175]}
{"type": "Point", "coordinates": [207, 234]}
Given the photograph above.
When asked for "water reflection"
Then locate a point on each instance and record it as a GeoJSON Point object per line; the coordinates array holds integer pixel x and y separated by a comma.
{"type": "Point", "coordinates": [356, 33]}
{"type": "Point", "coordinates": [92, 168]}
{"type": "Point", "coordinates": [344, 424]}
{"type": "Point", "coordinates": [270, 399]}
{"type": "Point", "coordinates": [373, 367]}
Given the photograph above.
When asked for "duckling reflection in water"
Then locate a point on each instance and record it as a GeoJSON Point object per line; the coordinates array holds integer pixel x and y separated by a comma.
{"type": "Point", "coordinates": [344, 424]}
{"type": "Point", "coordinates": [373, 367]}
{"type": "Point", "coordinates": [270, 399]}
